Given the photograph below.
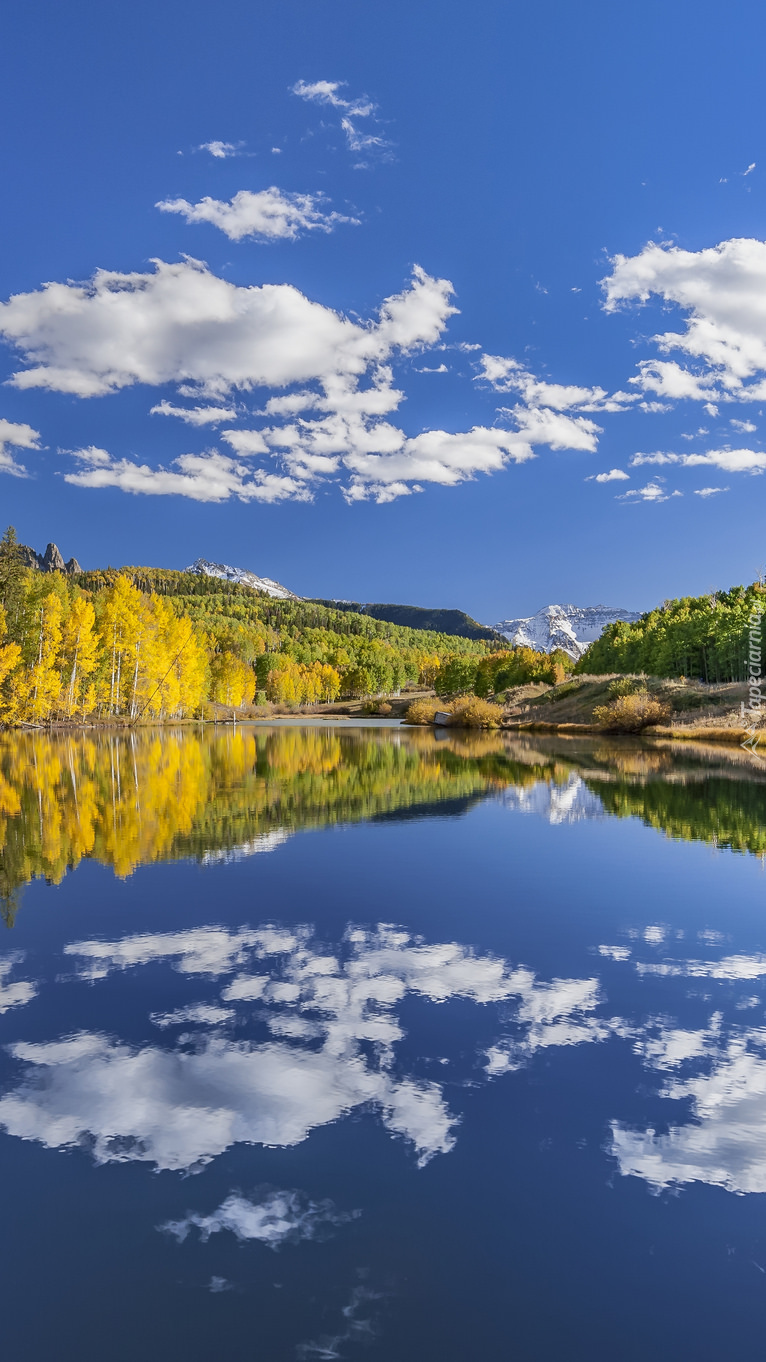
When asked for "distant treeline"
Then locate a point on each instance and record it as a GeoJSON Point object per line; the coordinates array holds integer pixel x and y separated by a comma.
{"type": "Point", "coordinates": [704, 637]}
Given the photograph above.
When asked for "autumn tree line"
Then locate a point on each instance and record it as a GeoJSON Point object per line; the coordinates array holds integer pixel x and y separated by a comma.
{"type": "Point", "coordinates": [149, 644]}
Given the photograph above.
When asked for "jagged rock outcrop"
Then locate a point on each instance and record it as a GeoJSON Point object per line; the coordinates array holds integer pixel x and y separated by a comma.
{"type": "Point", "coordinates": [50, 561]}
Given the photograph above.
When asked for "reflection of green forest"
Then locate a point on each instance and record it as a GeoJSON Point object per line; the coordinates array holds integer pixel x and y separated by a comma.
{"type": "Point", "coordinates": [688, 791]}
{"type": "Point", "coordinates": [131, 799]}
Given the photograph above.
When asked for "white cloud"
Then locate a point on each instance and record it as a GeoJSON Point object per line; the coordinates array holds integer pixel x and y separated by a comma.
{"type": "Point", "coordinates": [221, 150]}
{"type": "Point", "coordinates": [709, 491]}
{"type": "Point", "coordinates": [722, 290]}
{"type": "Point", "coordinates": [182, 323]}
{"type": "Point", "coordinates": [614, 475]}
{"type": "Point", "coordinates": [210, 477]}
{"type": "Point", "coordinates": [667, 379]}
{"type": "Point", "coordinates": [279, 1218]}
{"type": "Point", "coordinates": [729, 460]}
{"type": "Point", "coordinates": [246, 442]}
{"type": "Point", "coordinates": [268, 214]}
{"type": "Point", "coordinates": [746, 427]}
{"type": "Point", "coordinates": [652, 491]}
{"type": "Point", "coordinates": [16, 435]}
{"type": "Point", "coordinates": [195, 416]}
{"type": "Point", "coordinates": [327, 92]}
{"type": "Point", "coordinates": [507, 375]}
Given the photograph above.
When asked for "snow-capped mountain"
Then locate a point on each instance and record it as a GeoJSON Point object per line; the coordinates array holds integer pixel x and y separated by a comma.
{"type": "Point", "coordinates": [570, 627]}
{"type": "Point", "coordinates": [203, 568]}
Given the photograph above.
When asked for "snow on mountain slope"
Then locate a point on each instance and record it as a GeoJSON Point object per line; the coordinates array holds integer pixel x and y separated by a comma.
{"type": "Point", "coordinates": [204, 568]}
{"type": "Point", "coordinates": [570, 627]}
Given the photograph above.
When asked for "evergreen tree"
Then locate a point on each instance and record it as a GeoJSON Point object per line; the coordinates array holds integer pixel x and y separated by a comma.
{"type": "Point", "coordinates": [12, 582]}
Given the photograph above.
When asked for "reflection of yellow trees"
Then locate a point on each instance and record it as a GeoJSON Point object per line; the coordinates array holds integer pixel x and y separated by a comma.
{"type": "Point", "coordinates": [130, 799]}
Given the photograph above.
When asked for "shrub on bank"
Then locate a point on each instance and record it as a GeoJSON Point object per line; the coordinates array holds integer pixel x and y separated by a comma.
{"type": "Point", "coordinates": [471, 712]}
{"type": "Point", "coordinates": [630, 713]}
{"type": "Point", "coordinates": [466, 712]}
{"type": "Point", "coordinates": [423, 711]}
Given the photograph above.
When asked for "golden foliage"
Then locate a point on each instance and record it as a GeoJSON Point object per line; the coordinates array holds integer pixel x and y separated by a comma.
{"type": "Point", "coordinates": [630, 713]}
{"type": "Point", "coordinates": [471, 712]}
{"type": "Point", "coordinates": [466, 712]}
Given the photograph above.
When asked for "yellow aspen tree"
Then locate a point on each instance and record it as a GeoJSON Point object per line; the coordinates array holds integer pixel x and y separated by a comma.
{"type": "Point", "coordinates": [44, 680]}
{"type": "Point", "coordinates": [80, 651]}
{"type": "Point", "coordinates": [121, 609]}
{"type": "Point", "coordinates": [10, 657]}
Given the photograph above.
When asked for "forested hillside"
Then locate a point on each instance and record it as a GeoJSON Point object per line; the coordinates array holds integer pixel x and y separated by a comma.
{"type": "Point", "coordinates": [453, 622]}
{"type": "Point", "coordinates": [705, 637]}
{"type": "Point", "coordinates": [146, 642]}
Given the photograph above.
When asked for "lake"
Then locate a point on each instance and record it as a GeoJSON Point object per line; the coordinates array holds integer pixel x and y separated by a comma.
{"type": "Point", "coordinates": [323, 1041]}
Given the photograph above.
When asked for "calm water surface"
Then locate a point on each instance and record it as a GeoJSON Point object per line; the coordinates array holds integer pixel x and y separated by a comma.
{"type": "Point", "coordinates": [370, 1043]}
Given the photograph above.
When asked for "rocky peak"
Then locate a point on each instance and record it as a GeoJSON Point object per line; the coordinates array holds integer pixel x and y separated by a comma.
{"type": "Point", "coordinates": [50, 561]}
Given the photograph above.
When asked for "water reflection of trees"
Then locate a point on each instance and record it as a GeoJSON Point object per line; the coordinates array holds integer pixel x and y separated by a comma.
{"type": "Point", "coordinates": [130, 799]}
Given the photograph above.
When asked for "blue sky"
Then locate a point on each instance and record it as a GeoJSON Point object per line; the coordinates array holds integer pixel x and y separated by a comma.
{"type": "Point", "coordinates": [584, 184]}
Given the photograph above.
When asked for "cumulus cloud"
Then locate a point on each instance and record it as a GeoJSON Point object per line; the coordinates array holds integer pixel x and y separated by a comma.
{"type": "Point", "coordinates": [652, 491]}
{"type": "Point", "coordinates": [746, 427]}
{"type": "Point", "coordinates": [722, 290]}
{"type": "Point", "coordinates": [709, 491]}
{"type": "Point", "coordinates": [195, 416]}
{"type": "Point", "coordinates": [221, 150]}
{"type": "Point", "coordinates": [729, 460]}
{"type": "Point", "coordinates": [16, 435]}
{"type": "Point", "coordinates": [210, 477]}
{"type": "Point", "coordinates": [278, 1218]}
{"type": "Point", "coordinates": [181, 324]}
{"type": "Point", "coordinates": [267, 214]}
{"type": "Point", "coordinates": [614, 475]}
{"type": "Point", "coordinates": [328, 93]}
{"type": "Point", "coordinates": [508, 375]}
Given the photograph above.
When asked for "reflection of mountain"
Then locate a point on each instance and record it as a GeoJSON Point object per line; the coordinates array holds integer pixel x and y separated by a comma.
{"type": "Point", "coordinates": [558, 803]}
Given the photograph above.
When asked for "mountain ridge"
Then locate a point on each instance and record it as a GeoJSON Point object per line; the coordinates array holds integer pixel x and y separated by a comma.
{"type": "Point", "coordinates": [572, 628]}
